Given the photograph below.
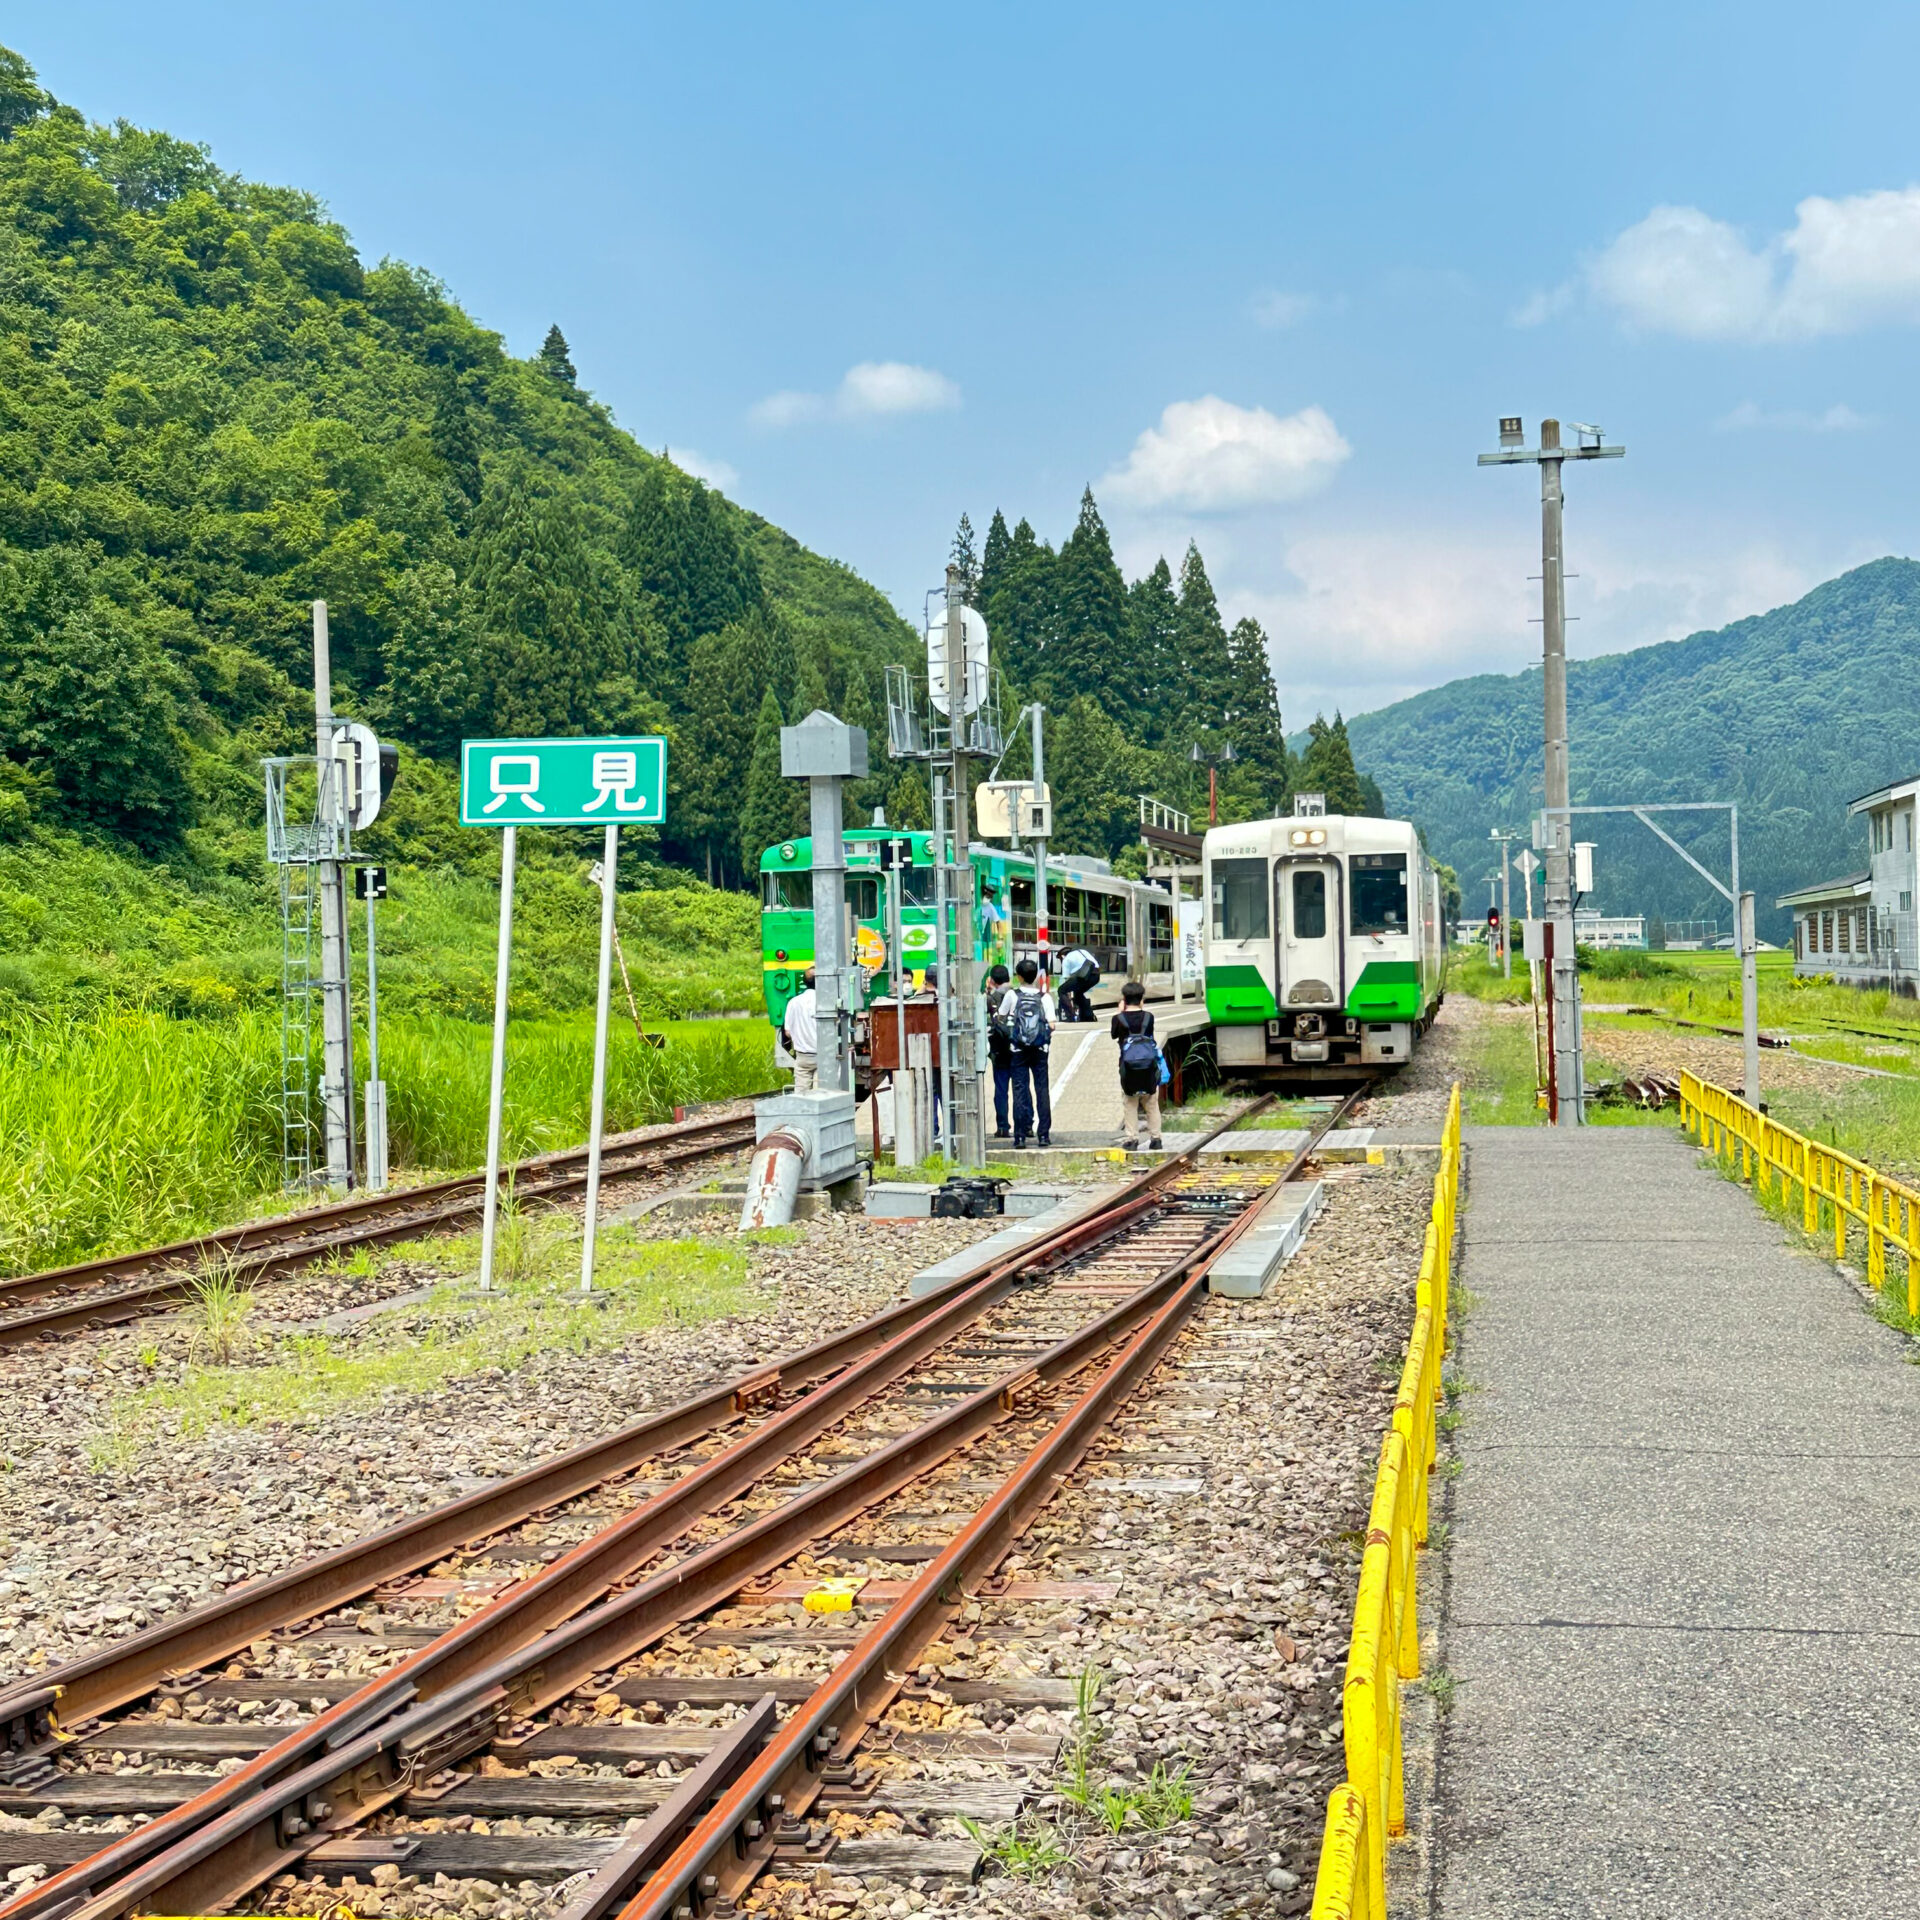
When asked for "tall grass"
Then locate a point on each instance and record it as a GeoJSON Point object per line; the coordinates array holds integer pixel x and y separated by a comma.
{"type": "Point", "coordinates": [119, 1129]}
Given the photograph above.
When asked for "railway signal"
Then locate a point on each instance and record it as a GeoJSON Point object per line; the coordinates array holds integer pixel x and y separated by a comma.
{"type": "Point", "coordinates": [557, 783]}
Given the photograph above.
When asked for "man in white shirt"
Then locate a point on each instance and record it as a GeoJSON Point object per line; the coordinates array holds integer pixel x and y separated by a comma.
{"type": "Point", "coordinates": [801, 1026]}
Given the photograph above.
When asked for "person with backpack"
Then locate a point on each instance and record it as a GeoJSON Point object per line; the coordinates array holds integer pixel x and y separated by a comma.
{"type": "Point", "coordinates": [1139, 1069]}
{"type": "Point", "coordinates": [999, 1050]}
{"type": "Point", "coordinates": [1079, 975]}
{"type": "Point", "coordinates": [1028, 1015]}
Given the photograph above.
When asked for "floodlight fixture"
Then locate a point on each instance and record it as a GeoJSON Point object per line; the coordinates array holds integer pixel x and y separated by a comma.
{"type": "Point", "coordinates": [1513, 432]}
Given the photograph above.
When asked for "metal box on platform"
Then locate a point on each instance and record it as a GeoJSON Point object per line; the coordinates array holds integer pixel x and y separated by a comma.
{"type": "Point", "coordinates": [823, 1124]}
{"type": "Point", "coordinates": [923, 1016]}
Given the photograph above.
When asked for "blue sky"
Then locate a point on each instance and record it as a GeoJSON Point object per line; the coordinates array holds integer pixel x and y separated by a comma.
{"type": "Point", "coordinates": [1266, 276]}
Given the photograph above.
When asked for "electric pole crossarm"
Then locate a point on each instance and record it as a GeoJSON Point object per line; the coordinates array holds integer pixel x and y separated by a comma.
{"type": "Point", "coordinates": [1719, 887]}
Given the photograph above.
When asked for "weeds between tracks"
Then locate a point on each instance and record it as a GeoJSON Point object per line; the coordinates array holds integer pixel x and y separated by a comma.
{"type": "Point", "coordinates": [452, 1333]}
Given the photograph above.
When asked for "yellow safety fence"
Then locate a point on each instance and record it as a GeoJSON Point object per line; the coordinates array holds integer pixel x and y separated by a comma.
{"type": "Point", "coordinates": [1385, 1648]}
{"type": "Point", "coordinates": [1836, 1190]}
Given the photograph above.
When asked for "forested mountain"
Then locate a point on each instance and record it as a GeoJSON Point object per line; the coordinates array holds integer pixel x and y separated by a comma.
{"type": "Point", "coordinates": [212, 412]}
{"type": "Point", "coordinates": [1790, 714]}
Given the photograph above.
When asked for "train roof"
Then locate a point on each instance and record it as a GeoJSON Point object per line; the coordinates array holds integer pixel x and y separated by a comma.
{"type": "Point", "coordinates": [1068, 869]}
{"type": "Point", "coordinates": [1343, 833]}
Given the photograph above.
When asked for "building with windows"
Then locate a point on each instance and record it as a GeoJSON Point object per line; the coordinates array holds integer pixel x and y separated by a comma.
{"type": "Point", "coordinates": [1609, 929]}
{"type": "Point", "coordinates": [1861, 928]}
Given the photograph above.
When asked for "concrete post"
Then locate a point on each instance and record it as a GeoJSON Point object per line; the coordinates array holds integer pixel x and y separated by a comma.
{"type": "Point", "coordinates": [827, 753]}
{"type": "Point", "coordinates": [336, 1019]}
{"type": "Point", "coordinates": [1564, 985]}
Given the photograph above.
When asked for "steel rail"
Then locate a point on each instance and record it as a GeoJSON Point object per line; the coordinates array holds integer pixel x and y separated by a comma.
{"type": "Point", "coordinates": [367, 1768]}
{"type": "Point", "coordinates": [265, 1778]}
{"type": "Point", "coordinates": [740, 1837]}
{"type": "Point", "coordinates": [398, 1216]}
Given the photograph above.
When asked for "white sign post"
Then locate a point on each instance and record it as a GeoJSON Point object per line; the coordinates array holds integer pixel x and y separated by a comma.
{"type": "Point", "coordinates": [556, 783]}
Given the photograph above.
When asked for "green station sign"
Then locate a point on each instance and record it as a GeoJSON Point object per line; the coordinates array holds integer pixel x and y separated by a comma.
{"type": "Point", "coordinates": [563, 783]}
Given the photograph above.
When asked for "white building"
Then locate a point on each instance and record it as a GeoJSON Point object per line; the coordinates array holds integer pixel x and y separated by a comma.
{"type": "Point", "coordinates": [1610, 929]}
{"type": "Point", "coordinates": [1861, 928]}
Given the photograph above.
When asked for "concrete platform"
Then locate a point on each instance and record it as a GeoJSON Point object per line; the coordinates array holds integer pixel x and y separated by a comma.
{"type": "Point", "coordinates": [1086, 1069]}
{"type": "Point", "coordinates": [1685, 1549]}
{"type": "Point", "coordinates": [1247, 1268]}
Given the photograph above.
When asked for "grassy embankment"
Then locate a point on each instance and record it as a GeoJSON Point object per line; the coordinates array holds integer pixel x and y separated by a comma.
{"type": "Point", "coordinates": [1874, 1115]}
{"type": "Point", "coordinates": [140, 1031]}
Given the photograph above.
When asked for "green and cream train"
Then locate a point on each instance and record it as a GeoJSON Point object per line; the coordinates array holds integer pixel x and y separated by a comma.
{"type": "Point", "coordinates": [1325, 945]}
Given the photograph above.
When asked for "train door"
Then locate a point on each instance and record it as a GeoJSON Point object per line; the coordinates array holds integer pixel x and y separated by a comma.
{"type": "Point", "coordinates": [1307, 924]}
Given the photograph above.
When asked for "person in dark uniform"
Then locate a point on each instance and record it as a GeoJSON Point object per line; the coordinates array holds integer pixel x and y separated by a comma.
{"type": "Point", "coordinates": [1079, 975]}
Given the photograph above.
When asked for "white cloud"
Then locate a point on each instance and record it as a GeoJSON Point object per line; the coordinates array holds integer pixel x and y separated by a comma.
{"type": "Point", "coordinates": [786, 409]}
{"type": "Point", "coordinates": [1845, 264]}
{"type": "Point", "coordinates": [1750, 414]}
{"type": "Point", "coordinates": [1208, 455]}
{"type": "Point", "coordinates": [716, 473]}
{"type": "Point", "coordinates": [1362, 618]}
{"type": "Point", "coordinates": [1275, 309]}
{"type": "Point", "coordinates": [872, 389]}
{"type": "Point", "coordinates": [891, 386]}
{"type": "Point", "coordinates": [1538, 308]}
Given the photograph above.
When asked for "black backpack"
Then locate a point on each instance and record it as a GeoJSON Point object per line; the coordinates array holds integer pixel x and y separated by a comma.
{"type": "Point", "coordinates": [1028, 1027]}
{"type": "Point", "coordinates": [1139, 1057]}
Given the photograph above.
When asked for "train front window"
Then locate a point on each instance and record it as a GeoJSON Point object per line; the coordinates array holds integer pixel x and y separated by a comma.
{"type": "Point", "coordinates": [1310, 904]}
{"type": "Point", "coordinates": [1240, 899]}
{"type": "Point", "coordinates": [791, 892]}
{"type": "Point", "coordinates": [1377, 883]}
{"type": "Point", "coordinates": [863, 895]}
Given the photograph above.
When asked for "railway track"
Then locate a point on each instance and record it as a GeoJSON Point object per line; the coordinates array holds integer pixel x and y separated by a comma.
{"type": "Point", "coordinates": [105, 1292]}
{"type": "Point", "coordinates": [618, 1644]}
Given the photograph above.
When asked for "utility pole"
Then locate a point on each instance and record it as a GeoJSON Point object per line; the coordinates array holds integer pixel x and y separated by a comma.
{"type": "Point", "coordinates": [1506, 841]}
{"type": "Point", "coordinates": [336, 1021]}
{"type": "Point", "coordinates": [966, 1122]}
{"type": "Point", "coordinates": [1040, 841]}
{"type": "Point", "coordinates": [1564, 985]}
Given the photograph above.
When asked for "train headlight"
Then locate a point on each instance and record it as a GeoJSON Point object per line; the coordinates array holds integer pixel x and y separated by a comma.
{"type": "Point", "coordinates": [1307, 837]}
{"type": "Point", "coordinates": [788, 851]}
{"type": "Point", "coordinates": [1298, 837]}
{"type": "Point", "coordinates": [1317, 837]}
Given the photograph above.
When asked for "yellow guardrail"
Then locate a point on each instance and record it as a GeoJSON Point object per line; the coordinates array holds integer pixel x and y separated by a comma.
{"type": "Point", "coordinates": [1836, 1190]}
{"type": "Point", "coordinates": [1369, 1805]}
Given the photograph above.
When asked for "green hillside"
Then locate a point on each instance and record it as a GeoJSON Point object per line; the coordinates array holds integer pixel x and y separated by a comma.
{"type": "Point", "coordinates": [213, 411]}
{"type": "Point", "coordinates": [1790, 714]}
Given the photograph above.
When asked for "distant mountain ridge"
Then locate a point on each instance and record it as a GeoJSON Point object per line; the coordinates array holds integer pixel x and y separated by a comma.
{"type": "Point", "coordinates": [1790, 714]}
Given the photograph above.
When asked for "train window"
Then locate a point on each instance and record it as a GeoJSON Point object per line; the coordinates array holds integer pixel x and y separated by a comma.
{"type": "Point", "coordinates": [791, 891]}
{"type": "Point", "coordinates": [1310, 904]}
{"type": "Point", "coordinates": [1240, 899]}
{"type": "Point", "coordinates": [1378, 884]}
{"type": "Point", "coordinates": [916, 886]}
{"type": "Point", "coordinates": [863, 895]}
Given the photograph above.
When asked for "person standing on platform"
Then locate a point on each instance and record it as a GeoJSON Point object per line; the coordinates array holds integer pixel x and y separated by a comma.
{"type": "Point", "coordinates": [1029, 1015]}
{"type": "Point", "coordinates": [1079, 975]}
{"type": "Point", "coordinates": [1132, 1030]}
{"type": "Point", "coordinates": [999, 1050]}
{"type": "Point", "coordinates": [801, 1026]}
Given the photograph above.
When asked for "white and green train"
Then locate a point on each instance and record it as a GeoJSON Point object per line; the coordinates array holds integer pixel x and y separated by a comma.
{"type": "Point", "coordinates": [1325, 945]}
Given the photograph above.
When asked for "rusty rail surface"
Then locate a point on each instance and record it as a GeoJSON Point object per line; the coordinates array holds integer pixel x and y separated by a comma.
{"type": "Point", "coordinates": [537, 1642]}
{"type": "Point", "coordinates": [123, 1286]}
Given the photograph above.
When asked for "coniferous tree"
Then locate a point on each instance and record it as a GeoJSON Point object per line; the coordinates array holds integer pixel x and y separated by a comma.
{"type": "Point", "coordinates": [766, 806]}
{"type": "Point", "coordinates": [1090, 633]}
{"type": "Point", "coordinates": [1205, 657]}
{"type": "Point", "coordinates": [993, 557]}
{"type": "Point", "coordinates": [1327, 767]}
{"type": "Point", "coordinates": [555, 359]}
{"type": "Point", "coordinates": [857, 709]}
{"type": "Point", "coordinates": [1153, 617]}
{"type": "Point", "coordinates": [551, 627]}
{"type": "Point", "coordinates": [1259, 783]}
{"type": "Point", "coordinates": [457, 447]}
{"type": "Point", "coordinates": [965, 560]}
{"type": "Point", "coordinates": [1020, 611]}
{"type": "Point", "coordinates": [810, 693]}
